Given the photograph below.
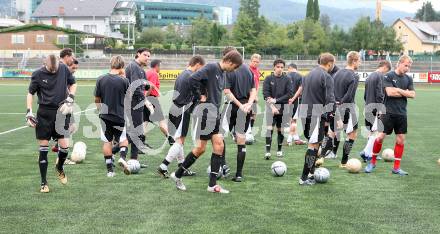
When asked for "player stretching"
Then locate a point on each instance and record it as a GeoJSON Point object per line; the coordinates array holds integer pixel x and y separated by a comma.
{"type": "Point", "coordinates": [398, 87]}
{"type": "Point", "coordinates": [240, 91]}
{"type": "Point", "coordinates": [208, 118]}
{"type": "Point", "coordinates": [317, 99]}
{"type": "Point", "coordinates": [373, 97]}
{"type": "Point", "coordinates": [55, 88]}
{"type": "Point", "coordinates": [180, 115]}
{"type": "Point", "coordinates": [109, 98]}
{"type": "Point", "coordinates": [294, 102]}
{"type": "Point", "coordinates": [277, 90]}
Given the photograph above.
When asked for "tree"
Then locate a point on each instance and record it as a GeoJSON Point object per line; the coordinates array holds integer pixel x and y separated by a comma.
{"type": "Point", "coordinates": [360, 34]}
{"type": "Point", "coordinates": [199, 29]}
{"type": "Point", "coordinates": [316, 11]}
{"type": "Point", "coordinates": [248, 25]}
{"type": "Point", "coordinates": [338, 40]}
{"type": "Point", "coordinates": [325, 22]}
{"type": "Point", "coordinates": [427, 13]}
{"type": "Point", "coordinates": [309, 11]}
{"type": "Point", "coordinates": [138, 25]}
{"type": "Point", "coordinates": [152, 35]}
{"type": "Point", "coordinates": [216, 34]}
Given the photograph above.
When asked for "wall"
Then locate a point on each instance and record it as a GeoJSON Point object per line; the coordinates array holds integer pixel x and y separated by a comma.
{"type": "Point", "coordinates": [102, 24]}
{"type": "Point", "coordinates": [413, 42]}
{"type": "Point", "coordinates": [50, 37]}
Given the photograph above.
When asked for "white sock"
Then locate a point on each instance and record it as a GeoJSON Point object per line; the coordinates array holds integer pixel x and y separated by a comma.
{"type": "Point", "coordinates": [295, 137]}
{"type": "Point", "coordinates": [369, 147]}
{"type": "Point", "coordinates": [163, 167]}
{"type": "Point", "coordinates": [173, 152]}
{"type": "Point", "coordinates": [181, 155]}
{"type": "Point", "coordinates": [289, 138]}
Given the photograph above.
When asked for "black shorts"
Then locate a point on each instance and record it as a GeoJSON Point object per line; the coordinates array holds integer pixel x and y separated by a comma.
{"type": "Point", "coordinates": [295, 109]}
{"type": "Point", "coordinates": [314, 128]}
{"type": "Point", "coordinates": [348, 125]}
{"type": "Point", "coordinates": [51, 124]}
{"type": "Point", "coordinates": [368, 124]}
{"type": "Point", "coordinates": [237, 119]}
{"type": "Point", "coordinates": [112, 131]}
{"type": "Point", "coordinates": [157, 116]}
{"type": "Point", "coordinates": [282, 120]}
{"type": "Point", "coordinates": [398, 123]}
{"type": "Point", "coordinates": [135, 121]}
{"type": "Point", "coordinates": [179, 119]}
{"type": "Point", "coordinates": [205, 127]}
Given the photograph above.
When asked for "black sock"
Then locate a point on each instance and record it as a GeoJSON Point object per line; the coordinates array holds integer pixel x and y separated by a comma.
{"type": "Point", "coordinates": [215, 167]}
{"type": "Point", "coordinates": [348, 145]}
{"type": "Point", "coordinates": [328, 146]}
{"type": "Point", "coordinates": [134, 151]}
{"type": "Point", "coordinates": [171, 140]}
{"type": "Point", "coordinates": [241, 155]}
{"type": "Point", "coordinates": [335, 145]}
{"type": "Point", "coordinates": [189, 160]}
{"type": "Point", "coordinates": [62, 155]}
{"type": "Point", "coordinates": [309, 160]}
{"type": "Point", "coordinates": [312, 170]}
{"type": "Point", "coordinates": [252, 123]}
{"type": "Point", "coordinates": [166, 163]}
{"type": "Point", "coordinates": [326, 130]}
{"type": "Point", "coordinates": [268, 140]}
{"type": "Point", "coordinates": [280, 140]}
{"type": "Point", "coordinates": [123, 152]}
{"type": "Point", "coordinates": [42, 163]}
{"type": "Point", "coordinates": [224, 154]}
{"type": "Point", "coordinates": [115, 149]}
{"type": "Point", "coordinates": [109, 163]}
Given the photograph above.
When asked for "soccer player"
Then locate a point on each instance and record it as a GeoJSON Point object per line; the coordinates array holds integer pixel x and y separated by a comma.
{"type": "Point", "coordinates": [55, 88]}
{"type": "Point", "coordinates": [373, 97]}
{"type": "Point", "coordinates": [240, 91]}
{"type": "Point", "coordinates": [346, 81]}
{"type": "Point", "coordinates": [277, 90]}
{"type": "Point", "coordinates": [153, 96]}
{"type": "Point", "coordinates": [135, 74]}
{"type": "Point", "coordinates": [254, 66]}
{"type": "Point", "coordinates": [208, 118]}
{"type": "Point", "coordinates": [398, 88]}
{"type": "Point", "coordinates": [317, 99]}
{"type": "Point", "coordinates": [180, 114]}
{"type": "Point", "coordinates": [296, 78]}
{"type": "Point", "coordinates": [109, 98]}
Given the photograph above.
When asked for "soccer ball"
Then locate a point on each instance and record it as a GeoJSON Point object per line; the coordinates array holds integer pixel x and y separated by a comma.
{"type": "Point", "coordinates": [249, 138]}
{"type": "Point", "coordinates": [388, 155]}
{"type": "Point", "coordinates": [322, 175]}
{"type": "Point", "coordinates": [278, 168]}
{"type": "Point", "coordinates": [79, 152]}
{"type": "Point", "coordinates": [354, 165]}
{"type": "Point", "coordinates": [134, 166]}
{"type": "Point", "coordinates": [219, 175]}
{"type": "Point", "coordinates": [438, 161]}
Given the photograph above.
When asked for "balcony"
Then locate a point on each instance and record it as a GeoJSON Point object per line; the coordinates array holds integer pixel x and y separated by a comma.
{"type": "Point", "coordinates": [122, 19]}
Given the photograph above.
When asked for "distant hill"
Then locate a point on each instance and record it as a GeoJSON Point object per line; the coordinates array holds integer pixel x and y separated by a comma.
{"type": "Point", "coordinates": [285, 11]}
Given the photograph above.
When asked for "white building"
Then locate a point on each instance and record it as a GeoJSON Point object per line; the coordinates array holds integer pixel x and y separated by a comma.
{"type": "Point", "coordinates": [102, 17]}
{"type": "Point", "coordinates": [223, 15]}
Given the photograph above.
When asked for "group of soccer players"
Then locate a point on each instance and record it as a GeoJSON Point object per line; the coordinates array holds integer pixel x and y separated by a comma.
{"type": "Point", "coordinates": [127, 96]}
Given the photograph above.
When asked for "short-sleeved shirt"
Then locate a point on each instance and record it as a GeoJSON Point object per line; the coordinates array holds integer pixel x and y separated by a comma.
{"type": "Point", "coordinates": [153, 78]}
{"type": "Point", "coordinates": [112, 89]}
{"type": "Point", "coordinates": [240, 82]}
{"type": "Point", "coordinates": [51, 88]}
{"type": "Point", "coordinates": [374, 92]}
{"type": "Point", "coordinates": [296, 80]}
{"type": "Point", "coordinates": [183, 94]}
{"type": "Point", "coordinates": [397, 105]}
{"type": "Point", "coordinates": [134, 72]}
{"type": "Point", "coordinates": [211, 79]}
{"type": "Point", "coordinates": [256, 72]}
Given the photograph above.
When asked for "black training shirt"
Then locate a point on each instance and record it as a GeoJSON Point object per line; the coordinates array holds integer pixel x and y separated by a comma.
{"type": "Point", "coordinates": [111, 89]}
{"type": "Point", "coordinates": [296, 80]}
{"type": "Point", "coordinates": [317, 92]}
{"type": "Point", "coordinates": [397, 105]}
{"type": "Point", "coordinates": [240, 82]}
{"type": "Point", "coordinates": [183, 94]}
{"type": "Point", "coordinates": [279, 88]}
{"type": "Point", "coordinates": [374, 92]}
{"type": "Point", "coordinates": [210, 78]}
{"type": "Point", "coordinates": [134, 72]}
{"type": "Point", "coordinates": [346, 83]}
{"type": "Point", "coordinates": [51, 88]}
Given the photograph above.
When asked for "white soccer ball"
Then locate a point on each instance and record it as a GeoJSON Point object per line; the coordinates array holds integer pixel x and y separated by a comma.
{"type": "Point", "coordinates": [388, 155]}
{"type": "Point", "coordinates": [322, 175]}
{"type": "Point", "coordinates": [354, 165]}
{"type": "Point", "coordinates": [219, 175]}
{"type": "Point", "coordinates": [249, 139]}
{"type": "Point", "coordinates": [278, 168]}
{"type": "Point", "coordinates": [79, 152]}
{"type": "Point", "coordinates": [134, 166]}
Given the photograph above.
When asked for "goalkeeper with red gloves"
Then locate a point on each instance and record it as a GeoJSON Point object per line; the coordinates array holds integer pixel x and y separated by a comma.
{"type": "Point", "coordinates": [55, 87]}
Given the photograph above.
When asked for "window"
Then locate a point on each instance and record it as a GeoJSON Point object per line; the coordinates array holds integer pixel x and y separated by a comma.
{"type": "Point", "coordinates": [90, 28]}
{"type": "Point", "coordinates": [68, 26]}
{"type": "Point", "coordinates": [17, 55]}
{"type": "Point", "coordinates": [17, 39]}
{"type": "Point", "coordinates": [159, 16]}
{"type": "Point", "coordinates": [62, 39]}
{"type": "Point", "coordinates": [404, 39]}
{"type": "Point", "coordinates": [142, 7]}
{"type": "Point", "coordinates": [86, 28]}
{"type": "Point", "coordinates": [40, 39]}
{"type": "Point", "coordinates": [142, 16]}
{"type": "Point", "coordinates": [410, 52]}
{"type": "Point", "coordinates": [93, 28]}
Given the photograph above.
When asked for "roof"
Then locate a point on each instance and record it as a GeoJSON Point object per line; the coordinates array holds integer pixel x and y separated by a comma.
{"type": "Point", "coordinates": [4, 23]}
{"type": "Point", "coordinates": [44, 27]}
{"type": "Point", "coordinates": [125, 5]}
{"type": "Point", "coordinates": [75, 8]}
{"type": "Point", "coordinates": [425, 31]}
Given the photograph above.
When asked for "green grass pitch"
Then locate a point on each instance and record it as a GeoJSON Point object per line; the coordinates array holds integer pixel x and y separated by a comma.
{"type": "Point", "coordinates": [145, 203]}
